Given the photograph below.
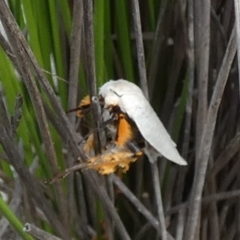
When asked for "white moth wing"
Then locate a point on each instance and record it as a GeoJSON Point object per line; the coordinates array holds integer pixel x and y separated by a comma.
{"type": "Point", "coordinates": [140, 111]}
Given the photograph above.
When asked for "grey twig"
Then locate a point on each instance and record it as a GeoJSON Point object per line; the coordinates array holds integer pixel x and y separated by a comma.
{"type": "Point", "coordinates": [89, 47]}
{"type": "Point", "coordinates": [133, 199]}
{"type": "Point", "coordinates": [5, 45]}
{"type": "Point", "coordinates": [15, 120]}
{"type": "Point", "coordinates": [226, 155]}
{"type": "Point", "coordinates": [4, 120]}
{"type": "Point", "coordinates": [109, 207]}
{"type": "Point", "coordinates": [217, 21]}
{"type": "Point", "coordinates": [83, 218]}
{"type": "Point", "coordinates": [181, 218]}
{"type": "Point", "coordinates": [143, 80]}
{"type": "Point", "coordinates": [75, 50]}
{"type": "Point", "coordinates": [140, 48]}
{"type": "Point", "coordinates": [158, 199]}
{"type": "Point", "coordinates": [38, 233]}
{"type": "Point", "coordinates": [90, 63]}
{"type": "Point", "coordinates": [206, 200]}
{"type": "Point", "coordinates": [237, 17]}
{"type": "Point", "coordinates": [191, 74]}
{"type": "Point", "coordinates": [202, 46]}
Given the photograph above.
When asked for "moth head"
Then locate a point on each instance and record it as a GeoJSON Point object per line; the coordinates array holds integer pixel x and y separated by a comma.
{"type": "Point", "coordinates": [109, 94]}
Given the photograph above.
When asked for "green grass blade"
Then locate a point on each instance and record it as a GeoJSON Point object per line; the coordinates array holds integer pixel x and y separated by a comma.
{"type": "Point", "coordinates": [123, 35]}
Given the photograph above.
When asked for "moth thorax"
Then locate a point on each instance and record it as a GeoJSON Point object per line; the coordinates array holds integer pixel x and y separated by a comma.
{"type": "Point", "coordinates": [111, 100]}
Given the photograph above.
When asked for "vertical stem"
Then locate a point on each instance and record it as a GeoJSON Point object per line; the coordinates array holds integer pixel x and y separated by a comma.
{"type": "Point", "coordinates": [202, 46]}
{"type": "Point", "coordinates": [158, 197]}
{"type": "Point", "coordinates": [237, 17]}
{"type": "Point", "coordinates": [90, 63]}
{"type": "Point", "coordinates": [89, 46]}
{"type": "Point", "coordinates": [75, 47]}
{"type": "Point", "coordinates": [140, 48]}
{"type": "Point", "coordinates": [143, 80]}
{"type": "Point", "coordinates": [75, 50]}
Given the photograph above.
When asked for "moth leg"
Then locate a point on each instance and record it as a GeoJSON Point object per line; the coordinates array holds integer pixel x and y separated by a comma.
{"type": "Point", "coordinates": [84, 106]}
{"type": "Point", "coordinates": [110, 162]}
{"type": "Point", "coordinates": [137, 152]}
{"type": "Point", "coordinates": [89, 144]}
{"type": "Point", "coordinates": [124, 130]}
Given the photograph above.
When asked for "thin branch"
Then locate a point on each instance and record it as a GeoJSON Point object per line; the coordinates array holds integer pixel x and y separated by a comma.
{"type": "Point", "coordinates": [15, 120]}
{"type": "Point", "coordinates": [206, 200]}
{"type": "Point", "coordinates": [75, 49]}
{"type": "Point", "coordinates": [4, 120]}
{"type": "Point", "coordinates": [219, 26]}
{"type": "Point", "coordinates": [237, 18]}
{"type": "Point", "coordinates": [38, 233]}
{"type": "Point", "coordinates": [143, 81]}
{"type": "Point", "coordinates": [74, 63]}
{"type": "Point", "coordinates": [132, 198]}
{"type": "Point", "coordinates": [89, 47]}
{"type": "Point", "coordinates": [202, 46]}
{"type": "Point", "coordinates": [90, 63]}
{"type": "Point", "coordinates": [226, 155]}
{"type": "Point", "coordinates": [181, 218]}
{"type": "Point", "coordinates": [7, 48]}
{"type": "Point", "coordinates": [191, 74]}
{"type": "Point", "coordinates": [139, 206]}
{"type": "Point", "coordinates": [109, 207]}
{"type": "Point", "coordinates": [227, 180]}
{"type": "Point", "coordinates": [158, 199]}
{"type": "Point", "coordinates": [83, 218]}
{"type": "Point", "coordinates": [140, 48]}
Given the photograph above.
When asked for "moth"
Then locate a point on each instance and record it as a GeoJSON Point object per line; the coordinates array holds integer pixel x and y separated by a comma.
{"type": "Point", "coordinates": [135, 129]}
